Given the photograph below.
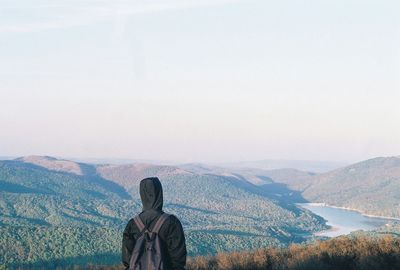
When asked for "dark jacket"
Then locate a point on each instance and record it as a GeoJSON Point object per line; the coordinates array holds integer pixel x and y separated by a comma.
{"type": "Point", "coordinates": [171, 232]}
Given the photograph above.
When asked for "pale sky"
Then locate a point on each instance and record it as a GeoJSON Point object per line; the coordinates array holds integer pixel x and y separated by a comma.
{"type": "Point", "coordinates": [204, 81]}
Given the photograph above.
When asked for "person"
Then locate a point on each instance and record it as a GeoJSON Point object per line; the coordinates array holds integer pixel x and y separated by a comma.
{"type": "Point", "coordinates": [171, 232]}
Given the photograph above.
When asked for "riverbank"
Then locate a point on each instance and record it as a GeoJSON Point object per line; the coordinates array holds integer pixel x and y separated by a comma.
{"type": "Point", "coordinates": [327, 232]}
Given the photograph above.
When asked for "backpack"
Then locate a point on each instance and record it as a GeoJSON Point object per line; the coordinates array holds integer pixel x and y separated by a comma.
{"type": "Point", "coordinates": [148, 253]}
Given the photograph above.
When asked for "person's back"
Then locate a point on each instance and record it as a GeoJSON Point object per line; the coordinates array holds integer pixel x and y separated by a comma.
{"type": "Point", "coordinates": [170, 233]}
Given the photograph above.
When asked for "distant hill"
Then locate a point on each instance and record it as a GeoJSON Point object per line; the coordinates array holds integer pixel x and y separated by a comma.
{"type": "Point", "coordinates": [129, 175]}
{"type": "Point", "coordinates": [283, 185]}
{"type": "Point", "coordinates": [371, 186]}
{"type": "Point", "coordinates": [302, 165]}
{"type": "Point", "coordinates": [292, 178]}
{"type": "Point", "coordinates": [53, 164]}
{"type": "Point", "coordinates": [254, 176]}
{"type": "Point", "coordinates": [6, 157]}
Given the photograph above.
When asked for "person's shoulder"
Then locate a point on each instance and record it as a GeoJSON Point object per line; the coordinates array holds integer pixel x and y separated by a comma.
{"type": "Point", "coordinates": [132, 220]}
{"type": "Point", "coordinates": [131, 225]}
{"type": "Point", "coordinates": [173, 220]}
{"type": "Point", "coordinates": [128, 228]}
{"type": "Point", "coordinates": [171, 216]}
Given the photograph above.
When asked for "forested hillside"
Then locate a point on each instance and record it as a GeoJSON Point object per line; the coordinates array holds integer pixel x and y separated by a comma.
{"type": "Point", "coordinates": [371, 186]}
{"type": "Point", "coordinates": [57, 212]}
{"type": "Point", "coordinates": [53, 211]}
{"type": "Point", "coordinates": [49, 247]}
{"type": "Point", "coordinates": [32, 195]}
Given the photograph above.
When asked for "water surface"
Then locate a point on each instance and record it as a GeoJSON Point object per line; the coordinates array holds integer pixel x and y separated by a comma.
{"type": "Point", "coordinates": [344, 221]}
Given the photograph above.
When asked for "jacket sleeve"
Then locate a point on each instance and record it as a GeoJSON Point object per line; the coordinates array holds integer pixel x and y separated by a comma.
{"type": "Point", "coordinates": [176, 245]}
{"type": "Point", "coordinates": [128, 243]}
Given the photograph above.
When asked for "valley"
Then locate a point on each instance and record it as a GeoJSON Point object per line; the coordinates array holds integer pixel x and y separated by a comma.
{"type": "Point", "coordinates": [63, 199]}
{"type": "Point", "coordinates": [45, 200]}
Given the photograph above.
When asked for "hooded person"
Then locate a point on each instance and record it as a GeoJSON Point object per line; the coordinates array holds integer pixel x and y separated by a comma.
{"type": "Point", "coordinates": [171, 232]}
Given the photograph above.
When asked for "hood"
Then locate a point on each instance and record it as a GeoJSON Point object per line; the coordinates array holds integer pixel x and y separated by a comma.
{"type": "Point", "coordinates": [151, 194]}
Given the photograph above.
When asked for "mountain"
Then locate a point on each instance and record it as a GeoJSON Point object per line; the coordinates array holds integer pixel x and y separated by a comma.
{"type": "Point", "coordinates": [129, 175]}
{"type": "Point", "coordinates": [53, 164]}
{"type": "Point", "coordinates": [283, 185]}
{"type": "Point", "coordinates": [293, 178]}
{"type": "Point", "coordinates": [371, 186]}
{"type": "Point", "coordinates": [35, 195]}
{"type": "Point", "coordinates": [57, 212]}
{"type": "Point", "coordinates": [44, 200]}
{"type": "Point", "coordinates": [225, 208]}
{"type": "Point", "coordinates": [253, 176]}
{"type": "Point", "coordinates": [50, 212]}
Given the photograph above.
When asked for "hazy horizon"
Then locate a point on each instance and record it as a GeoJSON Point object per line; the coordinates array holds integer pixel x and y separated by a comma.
{"type": "Point", "coordinates": [122, 160]}
{"type": "Point", "coordinates": [200, 81]}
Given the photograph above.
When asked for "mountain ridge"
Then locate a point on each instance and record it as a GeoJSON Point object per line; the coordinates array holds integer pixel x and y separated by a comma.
{"type": "Point", "coordinates": [222, 209]}
{"type": "Point", "coordinates": [219, 213]}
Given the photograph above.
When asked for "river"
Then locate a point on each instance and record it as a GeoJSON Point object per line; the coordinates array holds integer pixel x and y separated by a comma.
{"type": "Point", "coordinates": [343, 221]}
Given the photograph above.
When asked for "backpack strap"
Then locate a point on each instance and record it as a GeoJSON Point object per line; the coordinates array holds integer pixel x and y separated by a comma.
{"type": "Point", "coordinates": [160, 222]}
{"type": "Point", "coordinates": [139, 223]}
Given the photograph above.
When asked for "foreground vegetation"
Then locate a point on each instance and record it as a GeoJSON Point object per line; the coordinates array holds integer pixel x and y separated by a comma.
{"type": "Point", "coordinates": [342, 253]}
